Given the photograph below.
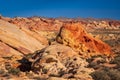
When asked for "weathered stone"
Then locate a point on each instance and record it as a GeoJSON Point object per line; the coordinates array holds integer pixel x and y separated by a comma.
{"type": "Point", "coordinates": [74, 35]}
{"type": "Point", "coordinates": [56, 78]}
{"type": "Point", "coordinates": [17, 39]}
{"type": "Point", "coordinates": [60, 61]}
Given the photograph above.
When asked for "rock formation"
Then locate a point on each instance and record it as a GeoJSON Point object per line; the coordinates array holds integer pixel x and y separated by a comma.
{"type": "Point", "coordinates": [61, 62]}
{"type": "Point", "coordinates": [30, 50]}
{"type": "Point", "coordinates": [74, 35]}
{"type": "Point", "coordinates": [21, 41]}
{"type": "Point", "coordinates": [36, 23]}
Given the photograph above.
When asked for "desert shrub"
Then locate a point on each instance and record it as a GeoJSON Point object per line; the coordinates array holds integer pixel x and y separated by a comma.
{"type": "Point", "coordinates": [114, 74]}
{"type": "Point", "coordinates": [116, 60]}
{"type": "Point", "coordinates": [96, 64]}
{"type": "Point", "coordinates": [92, 64]}
{"type": "Point", "coordinates": [2, 71]}
{"type": "Point", "coordinates": [14, 71]}
{"type": "Point", "coordinates": [107, 74]}
{"type": "Point", "coordinates": [100, 75]}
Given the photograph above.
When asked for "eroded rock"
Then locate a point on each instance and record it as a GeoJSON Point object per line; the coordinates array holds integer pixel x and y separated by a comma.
{"type": "Point", "coordinates": [61, 61]}
{"type": "Point", "coordinates": [17, 39]}
{"type": "Point", "coordinates": [74, 35]}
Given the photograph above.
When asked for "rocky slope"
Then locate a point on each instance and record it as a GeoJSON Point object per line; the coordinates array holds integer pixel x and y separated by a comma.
{"type": "Point", "coordinates": [21, 41]}
{"type": "Point", "coordinates": [74, 35]}
{"type": "Point", "coordinates": [39, 48]}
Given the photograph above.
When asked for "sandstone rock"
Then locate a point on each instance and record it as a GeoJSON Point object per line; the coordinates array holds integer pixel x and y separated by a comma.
{"type": "Point", "coordinates": [83, 77]}
{"type": "Point", "coordinates": [5, 50]}
{"type": "Point", "coordinates": [36, 35]}
{"type": "Point", "coordinates": [74, 35]}
{"type": "Point", "coordinates": [37, 24]}
{"type": "Point", "coordinates": [17, 39]}
{"type": "Point", "coordinates": [56, 61]}
{"type": "Point", "coordinates": [53, 58]}
{"type": "Point", "coordinates": [60, 61]}
{"type": "Point", "coordinates": [61, 52]}
{"type": "Point", "coordinates": [56, 78]}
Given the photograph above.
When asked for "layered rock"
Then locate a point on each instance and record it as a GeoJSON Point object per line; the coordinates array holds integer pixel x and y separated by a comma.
{"type": "Point", "coordinates": [22, 41]}
{"type": "Point", "coordinates": [55, 61]}
{"type": "Point", "coordinates": [37, 24]}
{"type": "Point", "coordinates": [5, 50]}
{"type": "Point", "coordinates": [74, 35]}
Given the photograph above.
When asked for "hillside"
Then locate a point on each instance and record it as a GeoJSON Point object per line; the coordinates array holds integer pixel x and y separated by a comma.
{"type": "Point", "coordinates": [37, 48]}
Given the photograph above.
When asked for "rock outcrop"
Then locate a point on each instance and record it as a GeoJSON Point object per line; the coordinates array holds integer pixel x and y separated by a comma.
{"type": "Point", "coordinates": [20, 41]}
{"type": "Point", "coordinates": [37, 23]}
{"type": "Point", "coordinates": [62, 62]}
{"type": "Point", "coordinates": [74, 35]}
{"type": "Point", "coordinates": [72, 55]}
{"type": "Point", "coordinates": [6, 50]}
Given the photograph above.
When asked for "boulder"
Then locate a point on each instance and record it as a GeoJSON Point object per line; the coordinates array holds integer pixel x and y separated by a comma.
{"type": "Point", "coordinates": [75, 36]}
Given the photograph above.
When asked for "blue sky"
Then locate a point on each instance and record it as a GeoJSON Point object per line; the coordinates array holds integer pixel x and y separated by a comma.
{"type": "Point", "coordinates": [61, 8]}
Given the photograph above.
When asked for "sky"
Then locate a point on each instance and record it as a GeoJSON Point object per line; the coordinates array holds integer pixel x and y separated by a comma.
{"type": "Point", "coordinates": [61, 8]}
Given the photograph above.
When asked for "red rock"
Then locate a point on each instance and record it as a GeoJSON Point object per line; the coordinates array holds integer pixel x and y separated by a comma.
{"type": "Point", "coordinates": [74, 35]}
{"type": "Point", "coordinates": [36, 23]}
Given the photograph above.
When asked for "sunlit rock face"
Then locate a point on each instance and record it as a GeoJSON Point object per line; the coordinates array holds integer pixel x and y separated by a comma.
{"type": "Point", "coordinates": [15, 40]}
{"type": "Point", "coordinates": [74, 35]}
